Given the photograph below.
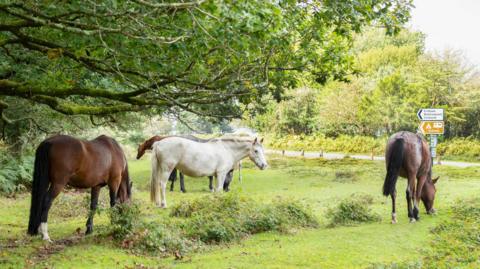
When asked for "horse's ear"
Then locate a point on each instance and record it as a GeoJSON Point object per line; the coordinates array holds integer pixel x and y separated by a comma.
{"type": "Point", "coordinates": [435, 180]}
{"type": "Point", "coordinates": [255, 141]}
{"type": "Point", "coordinates": [261, 140]}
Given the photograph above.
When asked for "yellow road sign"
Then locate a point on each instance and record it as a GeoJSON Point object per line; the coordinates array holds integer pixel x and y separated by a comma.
{"type": "Point", "coordinates": [432, 127]}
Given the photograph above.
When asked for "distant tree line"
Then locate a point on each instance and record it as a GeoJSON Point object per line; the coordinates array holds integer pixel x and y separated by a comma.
{"type": "Point", "coordinates": [393, 77]}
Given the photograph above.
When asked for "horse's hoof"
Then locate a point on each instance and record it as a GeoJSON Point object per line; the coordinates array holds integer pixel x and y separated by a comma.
{"type": "Point", "coordinates": [394, 221]}
{"type": "Point", "coordinates": [432, 212]}
{"type": "Point", "coordinates": [412, 220]}
{"type": "Point", "coordinates": [88, 231]}
{"type": "Point", "coordinates": [163, 205]}
{"type": "Point", "coordinates": [47, 239]}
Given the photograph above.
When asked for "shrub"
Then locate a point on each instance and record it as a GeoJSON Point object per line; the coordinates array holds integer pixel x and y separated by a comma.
{"type": "Point", "coordinates": [204, 221]}
{"type": "Point", "coordinates": [124, 219]}
{"type": "Point", "coordinates": [353, 210]}
{"type": "Point", "coordinates": [15, 174]}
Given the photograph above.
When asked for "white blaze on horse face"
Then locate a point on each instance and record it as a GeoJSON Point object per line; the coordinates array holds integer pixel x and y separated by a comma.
{"type": "Point", "coordinates": [257, 155]}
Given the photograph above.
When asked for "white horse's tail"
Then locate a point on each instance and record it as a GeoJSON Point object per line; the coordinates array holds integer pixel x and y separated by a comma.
{"type": "Point", "coordinates": [154, 181]}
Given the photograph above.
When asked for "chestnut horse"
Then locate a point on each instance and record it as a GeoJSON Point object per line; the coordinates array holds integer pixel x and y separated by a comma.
{"type": "Point", "coordinates": [62, 160]}
{"type": "Point", "coordinates": [408, 155]}
{"type": "Point", "coordinates": [147, 145]}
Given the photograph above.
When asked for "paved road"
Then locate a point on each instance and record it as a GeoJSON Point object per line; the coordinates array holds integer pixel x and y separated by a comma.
{"type": "Point", "coordinates": [312, 154]}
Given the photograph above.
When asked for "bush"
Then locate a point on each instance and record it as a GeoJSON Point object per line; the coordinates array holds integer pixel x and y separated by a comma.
{"type": "Point", "coordinates": [460, 148]}
{"type": "Point", "coordinates": [205, 221]}
{"type": "Point", "coordinates": [353, 210]}
{"type": "Point", "coordinates": [15, 174]}
{"type": "Point", "coordinates": [455, 148]}
{"type": "Point", "coordinates": [125, 219]}
{"type": "Point", "coordinates": [343, 143]}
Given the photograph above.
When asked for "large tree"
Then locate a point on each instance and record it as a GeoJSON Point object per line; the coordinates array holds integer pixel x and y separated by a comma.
{"type": "Point", "coordinates": [206, 57]}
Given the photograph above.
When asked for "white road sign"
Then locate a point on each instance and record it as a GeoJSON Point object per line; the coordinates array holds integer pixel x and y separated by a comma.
{"type": "Point", "coordinates": [430, 114]}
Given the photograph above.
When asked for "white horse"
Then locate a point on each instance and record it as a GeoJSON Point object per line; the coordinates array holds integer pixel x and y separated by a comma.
{"type": "Point", "coordinates": [216, 157]}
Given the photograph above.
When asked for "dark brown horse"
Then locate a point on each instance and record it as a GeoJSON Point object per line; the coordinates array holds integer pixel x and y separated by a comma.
{"type": "Point", "coordinates": [62, 160]}
{"type": "Point", "coordinates": [147, 145]}
{"type": "Point", "coordinates": [408, 155]}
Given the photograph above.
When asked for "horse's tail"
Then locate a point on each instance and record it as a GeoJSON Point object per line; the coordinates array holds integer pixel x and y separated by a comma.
{"type": "Point", "coordinates": [40, 184]}
{"type": "Point", "coordinates": [126, 178]}
{"type": "Point", "coordinates": [394, 163]}
{"type": "Point", "coordinates": [154, 182]}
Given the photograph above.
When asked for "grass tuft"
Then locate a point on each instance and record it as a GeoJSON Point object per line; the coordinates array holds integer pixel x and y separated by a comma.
{"type": "Point", "coordinates": [352, 211]}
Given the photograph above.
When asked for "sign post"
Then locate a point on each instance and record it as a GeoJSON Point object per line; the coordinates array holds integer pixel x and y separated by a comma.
{"type": "Point", "coordinates": [432, 124]}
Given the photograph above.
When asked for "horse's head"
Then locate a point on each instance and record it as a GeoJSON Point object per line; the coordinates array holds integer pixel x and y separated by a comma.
{"type": "Point", "coordinates": [141, 150]}
{"type": "Point", "coordinates": [257, 155]}
{"type": "Point", "coordinates": [147, 145]}
{"type": "Point", "coordinates": [428, 194]}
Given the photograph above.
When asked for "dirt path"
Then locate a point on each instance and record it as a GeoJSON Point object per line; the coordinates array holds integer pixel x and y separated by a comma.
{"type": "Point", "coordinates": [316, 154]}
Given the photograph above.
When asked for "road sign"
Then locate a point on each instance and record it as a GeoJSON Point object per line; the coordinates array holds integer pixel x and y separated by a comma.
{"type": "Point", "coordinates": [430, 114]}
{"type": "Point", "coordinates": [432, 127]}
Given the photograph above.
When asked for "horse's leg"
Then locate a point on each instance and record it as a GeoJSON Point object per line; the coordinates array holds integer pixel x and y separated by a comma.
{"type": "Point", "coordinates": [210, 185]}
{"type": "Point", "coordinates": [418, 192]}
{"type": "Point", "coordinates": [172, 178]}
{"type": "Point", "coordinates": [394, 214]}
{"type": "Point", "coordinates": [163, 172]}
{"type": "Point", "coordinates": [93, 207]}
{"type": "Point", "coordinates": [410, 193]}
{"type": "Point", "coordinates": [228, 179]}
{"type": "Point", "coordinates": [182, 183]}
{"type": "Point", "coordinates": [113, 186]}
{"type": "Point", "coordinates": [163, 186]}
{"type": "Point", "coordinates": [52, 193]}
{"type": "Point", "coordinates": [220, 180]}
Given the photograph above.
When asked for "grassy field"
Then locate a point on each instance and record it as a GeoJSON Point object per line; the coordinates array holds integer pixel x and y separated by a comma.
{"type": "Point", "coordinates": [319, 183]}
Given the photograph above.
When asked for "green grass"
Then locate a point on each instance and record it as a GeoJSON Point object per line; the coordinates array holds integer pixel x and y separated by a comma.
{"type": "Point", "coordinates": [319, 183]}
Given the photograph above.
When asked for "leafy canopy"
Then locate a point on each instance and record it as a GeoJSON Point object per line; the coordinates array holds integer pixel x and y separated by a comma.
{"type": "Point", "coordinates": [206, 57]}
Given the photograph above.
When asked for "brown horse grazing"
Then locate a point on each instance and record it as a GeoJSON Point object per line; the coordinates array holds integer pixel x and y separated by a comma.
{"type": "Point", "coordinates": [62, 160]}
{"type": "Point", "coordinates": [147, 145]}
{"type": "Point", "coordinates": [408, 155]}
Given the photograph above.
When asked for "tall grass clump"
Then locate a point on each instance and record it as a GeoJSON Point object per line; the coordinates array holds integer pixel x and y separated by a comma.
{"type": "Point", "coordinates": [209, 220]}
{"type": "Point", "coordinates": [353, 210]}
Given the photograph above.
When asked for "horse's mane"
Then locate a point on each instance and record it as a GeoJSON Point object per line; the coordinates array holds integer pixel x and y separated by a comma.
{"type": "Point", "coordinates": [233, 139]}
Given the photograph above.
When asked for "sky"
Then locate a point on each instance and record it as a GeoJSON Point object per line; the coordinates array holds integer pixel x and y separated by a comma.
{"type": "Point", "coordinates": [449, 24]}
